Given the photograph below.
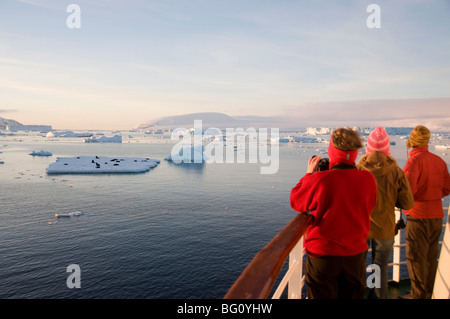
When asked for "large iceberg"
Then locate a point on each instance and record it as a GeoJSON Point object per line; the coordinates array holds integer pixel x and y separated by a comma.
{"type": "Point", "coordinates": [101, 164]}
{"type": "Point", "coordinates": [187, 155]}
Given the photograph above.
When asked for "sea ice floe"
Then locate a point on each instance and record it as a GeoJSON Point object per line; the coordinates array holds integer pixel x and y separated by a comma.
{"type": "Point", "coordinates": [67, 134]}
{"type": "Point", "coordinates": [103, 139]}
{"type": "Point", "coordinates": [101, 164]}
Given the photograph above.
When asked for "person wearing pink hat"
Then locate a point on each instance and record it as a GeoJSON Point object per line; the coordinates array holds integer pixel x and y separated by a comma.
{"type": "Point", "coordinates": [393, 190]}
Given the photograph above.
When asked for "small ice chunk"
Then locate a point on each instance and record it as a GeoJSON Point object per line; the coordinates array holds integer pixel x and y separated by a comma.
{"type": "Point", "coordinates": [69, 214]}
{"type": "Point", "coordinates": [41, 153]}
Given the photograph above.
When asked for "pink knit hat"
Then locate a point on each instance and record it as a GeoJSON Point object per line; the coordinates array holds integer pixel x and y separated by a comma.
{"type": "Point", "coordinates": [378, 141]}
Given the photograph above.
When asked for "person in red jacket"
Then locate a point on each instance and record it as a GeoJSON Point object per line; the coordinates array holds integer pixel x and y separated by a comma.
{"type": "Point", "coordinates": [340, 200]}
{"type": "Point", "coordinates": [430, 182]}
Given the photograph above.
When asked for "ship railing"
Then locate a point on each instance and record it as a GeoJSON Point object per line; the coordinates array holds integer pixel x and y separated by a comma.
{"type": "Point", "coordinates": [397, 250]}
{"type": "Point", "coordinates": [258, 278]}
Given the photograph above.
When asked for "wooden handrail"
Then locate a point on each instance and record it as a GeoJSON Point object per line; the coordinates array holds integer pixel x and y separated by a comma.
{"type": "Point", "coordinates": [258, 277]}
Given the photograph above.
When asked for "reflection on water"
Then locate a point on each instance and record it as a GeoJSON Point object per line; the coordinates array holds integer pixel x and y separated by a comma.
{"type": "Point", "coordinates": [190, 167]}
{"type": "Point", "coordinates": [177, 231]}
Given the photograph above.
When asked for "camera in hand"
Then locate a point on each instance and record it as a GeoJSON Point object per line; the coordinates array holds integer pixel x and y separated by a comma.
{"type": "Point", "coordinates": [323, 165]}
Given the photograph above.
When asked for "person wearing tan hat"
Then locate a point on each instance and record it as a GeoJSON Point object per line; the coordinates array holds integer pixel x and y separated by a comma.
{"type": "Point", "coordinates": [393, 191]}
{"type": "Point", "coordinates": [430, 181]}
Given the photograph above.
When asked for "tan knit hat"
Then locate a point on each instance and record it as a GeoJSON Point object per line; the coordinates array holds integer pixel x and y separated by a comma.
{"type": "Point", "coordinates": [419, 136]}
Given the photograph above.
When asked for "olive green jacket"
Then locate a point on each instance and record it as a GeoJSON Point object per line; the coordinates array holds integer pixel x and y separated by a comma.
{"type": "Point", "coordinates": [393, 190]}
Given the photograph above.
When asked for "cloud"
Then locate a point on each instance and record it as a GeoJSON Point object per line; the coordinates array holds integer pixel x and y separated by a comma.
{"type": "Point", "coordinates": [39, 3]}
{"type": "Point", "coordinates": [433, 112]}
{"type": "Point", "coordinates": [8, 110]}
{"type": "Point", "coordinates": [161, 58]}
{"type": "Point", "coordinates": [34, 3]}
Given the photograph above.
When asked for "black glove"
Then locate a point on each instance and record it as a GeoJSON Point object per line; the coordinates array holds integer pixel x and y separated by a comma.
{"type": "Point", "coordinates": [400, 225]}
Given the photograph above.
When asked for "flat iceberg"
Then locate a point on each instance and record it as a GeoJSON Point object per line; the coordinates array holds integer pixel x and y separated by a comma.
{"type": "Point", "coordinates": [444, 147]}
{"type": "Point", "coordinates": [67, 134]}
{"type": "Point", "coordinates": [101, 164]}
{"type": "Point", "coordinates": [104, 139]}
{"type": "Point", "coordinates": [41, 153]}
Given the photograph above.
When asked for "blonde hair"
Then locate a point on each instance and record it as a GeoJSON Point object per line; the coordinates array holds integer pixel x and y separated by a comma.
{"type": "Point", "coordinates": [419, 136]}
{"type": "Point", "coordinates": [346, 139]}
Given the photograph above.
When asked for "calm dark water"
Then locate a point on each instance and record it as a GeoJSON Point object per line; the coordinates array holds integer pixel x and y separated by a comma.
{"type": "Point", "coordinates": [173, 232]}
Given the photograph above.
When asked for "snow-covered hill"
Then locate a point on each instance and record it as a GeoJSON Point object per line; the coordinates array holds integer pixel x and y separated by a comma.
{"type": "Point", "coordinates": [209, 119]}
{"type": "Point", "coordinates": [7, 122]}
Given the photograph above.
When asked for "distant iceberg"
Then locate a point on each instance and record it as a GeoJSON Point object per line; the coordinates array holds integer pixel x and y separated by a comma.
{"type": "Point", "coordinates": [40, 153]}
{"type": "Point", "coordinates": [318, 130]}
{"type": "Point", "coordinates": [361, 130]}
{"type": "Point", "coordinates": [67, 134]}
{"type": "Point", "coordinates": [300, 139]}
{"type": "Point", "coordinates": [101, 164]}
{"type": "Point", "coordinates": [104, 139]}
{"type": "Point", "coordinates": [444, 147]}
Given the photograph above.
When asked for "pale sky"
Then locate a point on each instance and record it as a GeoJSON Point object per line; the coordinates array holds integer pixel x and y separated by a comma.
{"type": "Point", "coordinates": [312, 61]}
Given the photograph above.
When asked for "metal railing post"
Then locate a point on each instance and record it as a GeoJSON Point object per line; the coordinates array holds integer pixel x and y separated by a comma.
{"type": "Point", "coordinates": [295, 283]}
{"type": "Point", "coordinates": [396, 258]}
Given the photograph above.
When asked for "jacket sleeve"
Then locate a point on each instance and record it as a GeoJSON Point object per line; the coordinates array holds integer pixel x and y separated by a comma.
{"type": "Point", "coordinates": [302, 195]}
{"type": "Point", "coordinates": [405, 198]}
{"type": "Point", "coordinates": [412, 173]}
{"type": "Point", "coordinates": [446, 188]}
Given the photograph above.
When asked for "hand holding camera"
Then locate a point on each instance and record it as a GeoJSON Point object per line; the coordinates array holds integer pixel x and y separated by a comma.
{"type": "Point", "coordinates": [317, 164]}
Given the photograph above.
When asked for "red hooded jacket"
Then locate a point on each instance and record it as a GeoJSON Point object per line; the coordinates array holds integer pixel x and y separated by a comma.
{"type": "Point", "coordinates": [430, 181]}
{"type": "Point", "coordinates": [341, 201]}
